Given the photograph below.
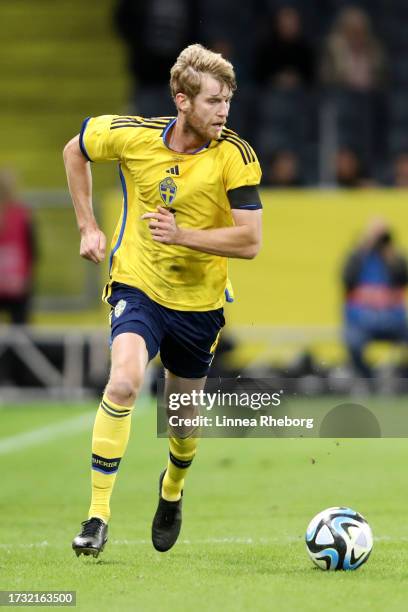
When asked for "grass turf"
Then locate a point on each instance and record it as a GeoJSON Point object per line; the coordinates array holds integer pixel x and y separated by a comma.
{"type": "Point", "coordinates": [247, 504]}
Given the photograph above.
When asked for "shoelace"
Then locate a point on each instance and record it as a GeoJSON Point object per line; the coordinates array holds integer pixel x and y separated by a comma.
{"type": "Point", "coordinates": [91, 526]}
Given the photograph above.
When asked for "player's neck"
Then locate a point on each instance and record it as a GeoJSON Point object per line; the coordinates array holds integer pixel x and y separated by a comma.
{"type": "Point", "coordinates": [181, 139]}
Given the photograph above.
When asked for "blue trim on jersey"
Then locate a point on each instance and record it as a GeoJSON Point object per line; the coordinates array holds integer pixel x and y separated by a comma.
{"type": "Point", "coordinates": [166, 131]}
{"type": "Point", "coordinates": [201, 148]}
{"type": "Point", "coordinates": [228, 297]}
{"type": "Point", "coordinates": [248, 207]}
{"type": "Point", "coordinates": [125, 208]}
{"type": "Point", "coordinates": [81, 139]}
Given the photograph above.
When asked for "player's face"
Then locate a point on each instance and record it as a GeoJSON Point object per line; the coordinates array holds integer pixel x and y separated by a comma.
{"type": "Point", "coordinates": [208, 112]}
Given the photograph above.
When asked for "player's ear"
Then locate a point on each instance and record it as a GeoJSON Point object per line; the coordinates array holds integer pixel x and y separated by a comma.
{"type": "Point", "coordinates": [182, 102]}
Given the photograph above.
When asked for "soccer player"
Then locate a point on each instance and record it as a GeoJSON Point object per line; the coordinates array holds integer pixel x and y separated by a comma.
{"type": "Point", "coordinates": [190, 202]}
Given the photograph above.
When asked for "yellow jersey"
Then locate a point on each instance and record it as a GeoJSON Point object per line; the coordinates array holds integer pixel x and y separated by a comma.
{"type": "Point", "coordinates": [194, 186]}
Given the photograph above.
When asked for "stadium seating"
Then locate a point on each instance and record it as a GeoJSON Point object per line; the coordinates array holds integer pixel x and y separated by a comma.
{"type": "Point", "coordinates": [56, 78]}
{"type": "Point", "coordinates": [287, 121]}
{"type": "Point", "coordinates": [61, 75]}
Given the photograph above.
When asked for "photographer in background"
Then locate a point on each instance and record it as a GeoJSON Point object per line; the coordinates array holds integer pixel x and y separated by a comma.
{"type": "Point", "coordinates": [375, 277]}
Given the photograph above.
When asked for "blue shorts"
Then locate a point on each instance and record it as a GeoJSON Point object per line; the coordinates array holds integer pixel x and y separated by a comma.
{"type": "Point", "coordinates": [186, 339]}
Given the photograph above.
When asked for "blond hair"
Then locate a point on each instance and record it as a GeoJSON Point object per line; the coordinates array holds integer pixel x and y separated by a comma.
{"type": "Point", "coordinates": [192, 63]}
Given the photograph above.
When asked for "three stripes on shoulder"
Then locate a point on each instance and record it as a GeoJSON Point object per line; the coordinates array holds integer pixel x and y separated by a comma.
{"type": "Point", "coordinates": [156, 123]}
{"type": "Point", "coordinates": [159, 123]}
{"type": "Point", "coordinates": [247, 152]}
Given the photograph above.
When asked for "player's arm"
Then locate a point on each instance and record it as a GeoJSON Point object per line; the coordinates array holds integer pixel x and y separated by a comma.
{"type": "Point", "coordinates": [243, 240]}
{"type": "Point", "coordinates": [93, 241]}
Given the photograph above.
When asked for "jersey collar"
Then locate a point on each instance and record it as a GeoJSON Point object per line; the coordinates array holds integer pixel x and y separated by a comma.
{"type": "Point", "coordinates": [166, 132]}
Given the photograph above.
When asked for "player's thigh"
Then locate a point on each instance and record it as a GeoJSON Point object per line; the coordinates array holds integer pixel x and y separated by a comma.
{"type": "Point", "coordinates": [129, 359]}
{"type": "Point", "coordinates": [190, 387]}
{"type": "Point", "coordinates": [187, 350]}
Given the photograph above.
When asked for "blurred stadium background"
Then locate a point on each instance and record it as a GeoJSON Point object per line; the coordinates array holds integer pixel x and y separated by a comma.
{"type": "Point", "coordinates": [334, 152]}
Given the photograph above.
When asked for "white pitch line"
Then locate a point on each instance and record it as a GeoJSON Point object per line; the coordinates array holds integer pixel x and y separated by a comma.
{"type": "Point", "coordinates": [231, 540]}
{"type": "Point", "coordinates": [248, 540]}
{"type": "Point", "coordinates": [43, 434]}
{"type": "Point", "coordinates": [27, 545]}
{"type": "Point", "coordinates": [57, 430]}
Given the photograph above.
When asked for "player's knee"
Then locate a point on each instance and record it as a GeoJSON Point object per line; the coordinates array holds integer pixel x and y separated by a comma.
{"type": "Point", "coordinates": [123, 389]}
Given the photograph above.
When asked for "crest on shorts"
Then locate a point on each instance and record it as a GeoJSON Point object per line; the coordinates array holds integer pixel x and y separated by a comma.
{"type": "Point", "coordinates": [120, 307]}
{"type": "Point", "coordinates": [168, 190]}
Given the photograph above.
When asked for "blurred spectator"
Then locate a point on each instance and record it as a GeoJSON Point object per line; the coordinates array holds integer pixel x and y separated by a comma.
{"type": "Point", "coordinates": [283, 170]}
{"type": "Point", "coordinates": [284, 57]}
{"type": "Point", "coordinates": [375, 277]}
{"type": "Point", "coordinates": [17, 251]}
{"type": "Point", "coordinates": [349, 169]}
{"type": "Point", "coordinates": [400, 170]}
{"type": "Point", "coordinates": [353, 56]}
{"type": "Point", "coordinates": [229, 31]}
{"type": "Point", "coordinates": [154, 32]}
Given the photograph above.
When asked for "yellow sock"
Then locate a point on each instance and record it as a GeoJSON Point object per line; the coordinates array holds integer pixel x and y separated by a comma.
{"type": "Point", "coordinates": [181, 455]}
{"type": "Point", "coordinates": [109, 441]}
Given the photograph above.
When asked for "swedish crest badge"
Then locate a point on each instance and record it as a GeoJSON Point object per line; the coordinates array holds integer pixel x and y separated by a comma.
{"type": "Point", "coordinates": [120, 307]}
{"type": "Point", "coordinates": [168, 190]}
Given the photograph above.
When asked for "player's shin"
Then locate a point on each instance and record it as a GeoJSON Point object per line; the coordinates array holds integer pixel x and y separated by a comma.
{"type": "Point", "coordinates": [181, 455]}
{"type": "Point", "coordinates": [109, 442]}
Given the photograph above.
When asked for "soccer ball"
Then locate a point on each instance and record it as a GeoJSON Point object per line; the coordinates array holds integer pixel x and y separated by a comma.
{"type": "Point", "coordinates": [339, 539]}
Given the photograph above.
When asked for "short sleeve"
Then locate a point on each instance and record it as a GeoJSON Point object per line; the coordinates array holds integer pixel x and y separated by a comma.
{"type": "Point", "coordinates": [104, 138]}
{"type": "Point", "coordinates": [241, 166]}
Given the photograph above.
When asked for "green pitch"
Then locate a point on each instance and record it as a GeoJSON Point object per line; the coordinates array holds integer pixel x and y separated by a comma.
{"type": "Point", "coordinates": [246, 506]}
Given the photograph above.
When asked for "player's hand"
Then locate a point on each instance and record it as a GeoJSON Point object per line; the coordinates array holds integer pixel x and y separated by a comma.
{"type": "Point", "coordinates": [163, 226]}
{"type": "Point", "coordinates": [93, 245]}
